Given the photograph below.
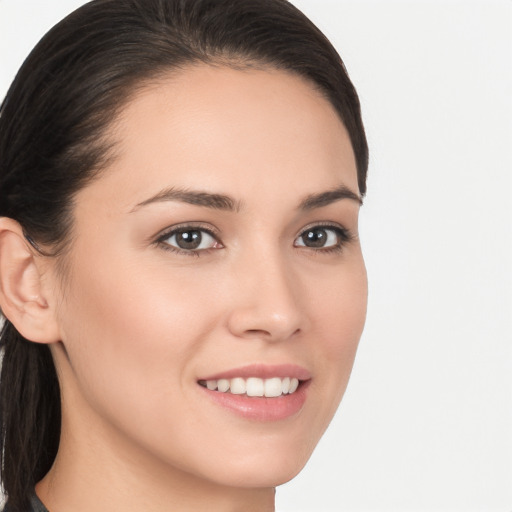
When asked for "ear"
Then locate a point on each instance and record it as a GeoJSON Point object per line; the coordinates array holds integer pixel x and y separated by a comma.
{"type": "Point", "coordinates": [22, 297]}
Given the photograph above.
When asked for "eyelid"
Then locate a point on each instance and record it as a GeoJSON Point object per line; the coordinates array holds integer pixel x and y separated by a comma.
{"type": "Point", "coordinates": [165, 234]}
{"type": "Point", "coordinates": [326, 224]}
{"type": "Point", "coordinates": [345, 235]}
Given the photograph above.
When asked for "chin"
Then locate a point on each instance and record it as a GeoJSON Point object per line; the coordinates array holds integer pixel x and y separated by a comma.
{"type": "Point", "coordinates": [261, 477]}
{"type": "Point", "coordinates": [262, 468]}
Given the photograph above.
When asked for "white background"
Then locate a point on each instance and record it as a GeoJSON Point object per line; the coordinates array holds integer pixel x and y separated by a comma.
{"type": "Point", "coordinates": [426, 424]}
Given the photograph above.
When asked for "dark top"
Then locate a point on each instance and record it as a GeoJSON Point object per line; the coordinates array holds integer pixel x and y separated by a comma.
{"type": "Point", "coordinates": [35, 505]}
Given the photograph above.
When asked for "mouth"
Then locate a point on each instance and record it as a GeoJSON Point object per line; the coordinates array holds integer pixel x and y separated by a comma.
{"type": "Point", "coordinates": [259, 392]}
{"type": "Point", "coordinates": [254, 386]}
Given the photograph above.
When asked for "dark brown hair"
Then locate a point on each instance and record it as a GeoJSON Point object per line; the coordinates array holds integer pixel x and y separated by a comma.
{"type": "Point", "coordinates": [52, 126]}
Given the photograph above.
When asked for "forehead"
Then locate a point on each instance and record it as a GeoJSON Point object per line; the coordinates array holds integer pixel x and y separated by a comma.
{"type": "Point", "coordinates": [217, 128]}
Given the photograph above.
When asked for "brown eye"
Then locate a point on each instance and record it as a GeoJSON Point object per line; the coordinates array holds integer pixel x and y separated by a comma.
{"type": "Point", "coordinates": [319, 237]}
{"type": "Point", "coordinates": [191, 240]}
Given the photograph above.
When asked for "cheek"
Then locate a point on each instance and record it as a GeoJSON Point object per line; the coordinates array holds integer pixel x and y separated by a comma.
{"type": "Point", "coordinates": [130, 333]}
{"type": "Point", "coordinates": [131, 345]}
{"type": "Point", "coordinates": [341, 310]}
{"type": "Point", "coordinates": [340, 313]}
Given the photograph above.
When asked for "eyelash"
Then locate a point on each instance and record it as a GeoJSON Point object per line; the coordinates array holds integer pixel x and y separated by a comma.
{"type": "Point", "coordinates": [184, 228]}
{"type": "Point", "coordinates": [343, 235]}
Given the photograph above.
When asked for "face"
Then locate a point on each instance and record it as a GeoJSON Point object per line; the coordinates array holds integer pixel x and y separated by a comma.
{"type": "Point", "coordinates": [220, 248]}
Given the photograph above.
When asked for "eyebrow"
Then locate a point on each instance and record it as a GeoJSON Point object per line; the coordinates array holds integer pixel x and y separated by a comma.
{"type": "Point", "coordinates": [326, 198]}
{"type": "Point", "coordinates": [198, 198]}
{"type": "Point", "coordinates": [227, 203]}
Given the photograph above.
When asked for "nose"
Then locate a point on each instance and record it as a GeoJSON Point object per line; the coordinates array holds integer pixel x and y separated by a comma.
{"type": "Point", "coordinates": [266, 301]}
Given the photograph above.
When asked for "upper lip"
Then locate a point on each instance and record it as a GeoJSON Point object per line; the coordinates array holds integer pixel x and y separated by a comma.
{"type": "Point", "coordinates": [263, 371]}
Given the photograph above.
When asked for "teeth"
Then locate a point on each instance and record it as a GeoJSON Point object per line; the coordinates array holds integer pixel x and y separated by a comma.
{"type": "Point", "coordinates": [237, 386]}
{"type": "Point", "coordinates": [253, 386]}
{"type": "Point", "coordinates": [211, 384]}
{"type": "Point", "coordinates": [222, 385]}
{"type": "Point", "coordinates": [294, 384]}
{"type": "Point", "coordinates": [273, 387]}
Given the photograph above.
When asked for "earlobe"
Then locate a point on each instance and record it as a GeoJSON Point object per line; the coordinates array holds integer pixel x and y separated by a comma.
{"type": "Point", "coordinates": [22, 297]}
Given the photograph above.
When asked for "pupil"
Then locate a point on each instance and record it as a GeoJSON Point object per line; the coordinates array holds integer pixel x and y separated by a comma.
{"type": "Point", "coordinates": [315, 238]}
{"type": "Point", "coordinates": [189, 239]}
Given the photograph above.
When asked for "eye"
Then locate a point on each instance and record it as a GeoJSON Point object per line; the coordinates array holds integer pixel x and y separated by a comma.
{"type": "Point", "coordinates": [189, 240]}
{"type": "Point", "coordinates": [322, 237]}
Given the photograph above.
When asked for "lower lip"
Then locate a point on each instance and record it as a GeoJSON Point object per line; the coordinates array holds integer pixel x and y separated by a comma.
{"type": "Point", "coordinates": [262, 408]}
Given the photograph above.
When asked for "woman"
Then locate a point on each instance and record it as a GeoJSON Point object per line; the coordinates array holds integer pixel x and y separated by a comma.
{"type": "Point", "coordinates": [180, 271]}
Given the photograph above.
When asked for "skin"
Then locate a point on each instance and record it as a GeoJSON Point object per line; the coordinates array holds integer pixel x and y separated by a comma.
{"type": "Point", "coordinates": [138, 325]}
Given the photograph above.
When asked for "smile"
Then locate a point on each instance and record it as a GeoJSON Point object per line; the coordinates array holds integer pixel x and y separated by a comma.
{"type": "Point", "coordinates": [254, 386]}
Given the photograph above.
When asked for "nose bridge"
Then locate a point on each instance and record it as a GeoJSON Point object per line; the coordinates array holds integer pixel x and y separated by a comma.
{"type": "Point", "coordinates": [268, 304]}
